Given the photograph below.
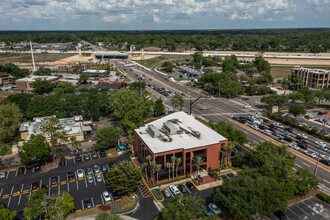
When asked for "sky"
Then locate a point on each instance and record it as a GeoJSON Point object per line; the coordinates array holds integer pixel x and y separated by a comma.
{"type": "Point", "coordinates": [162, 14]}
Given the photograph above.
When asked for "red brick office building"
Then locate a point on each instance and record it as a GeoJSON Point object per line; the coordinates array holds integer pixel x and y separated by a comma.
{"type": "Point", "coordinates": [179, 135]}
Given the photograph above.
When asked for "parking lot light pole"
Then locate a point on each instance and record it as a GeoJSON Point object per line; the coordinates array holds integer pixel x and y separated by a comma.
{"type": "Point", "coordinates": [317, 164]}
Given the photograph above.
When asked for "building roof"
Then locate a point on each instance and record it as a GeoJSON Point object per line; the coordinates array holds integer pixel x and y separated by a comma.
{"type": "Point", "coordinates": [109, 86]}
{"type": "Point", "coordinates": [317, 71]}
{"type": "Point", "coordinates": [177, 131]}
{"type": "Point", "coordinates": [4, 74]}
{"type": "Point", "coordinates": [34, 78]}
{"type": "Point", "coordinates": [190, 70]}
{"type": "Point", "coordinates": [327, 116]}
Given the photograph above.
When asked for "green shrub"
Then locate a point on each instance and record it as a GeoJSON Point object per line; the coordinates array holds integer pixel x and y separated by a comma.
{"type": "Point", "coordinates": [324, 197]}
{"type": "Point", "coordinates": [158, 194]}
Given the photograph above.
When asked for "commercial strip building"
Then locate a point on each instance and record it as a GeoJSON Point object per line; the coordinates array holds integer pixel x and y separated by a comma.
{"type": "Point", "coordinates": [24, 84]}
{"type": "Point", "coordinates": [313, 78]}
{"type": "Point", "coordinates": [182, 136]}
{"type": "Point", "coordinates": [73, 127]}
{"type": "Point", "coordinates": [190, 72]}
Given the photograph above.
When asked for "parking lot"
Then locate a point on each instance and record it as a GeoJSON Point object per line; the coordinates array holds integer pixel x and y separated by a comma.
{"type": "Point", "coordinates": [15, 187]}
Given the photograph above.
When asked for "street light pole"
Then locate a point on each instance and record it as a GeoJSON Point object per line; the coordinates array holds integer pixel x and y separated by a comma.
{"type": "Point", "coordinates": [191, 103]}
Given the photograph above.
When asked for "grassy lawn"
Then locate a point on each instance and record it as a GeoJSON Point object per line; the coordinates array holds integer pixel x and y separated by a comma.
{"type": "Point", "coordinates": [92, 211]}
{"type": "Point", "coordinates": [151, 62]}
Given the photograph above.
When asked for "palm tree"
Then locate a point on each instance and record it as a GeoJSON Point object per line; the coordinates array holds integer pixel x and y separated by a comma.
{"type": "Point", "coordinates": [157, 169]}
{"type": "Point", "coordinates": [149, 158]}
{"type": "Point", "coordinates": [169, 166]}
{"type": "Point", "coordinates": [198, 161]}
{"type": "Point", "coordinates": [178, 162]}
{"type": "Point", "coordinates": [153, 164]}
{"type": "Point", "coordinates": [173, 159]}
{"type": "Point", "coordinates": [144, 167]}
{"type": "Point", "coordinates": [230, 149]}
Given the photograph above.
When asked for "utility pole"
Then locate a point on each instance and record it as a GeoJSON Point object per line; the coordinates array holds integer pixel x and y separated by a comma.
{"type": "Point", "coordinates": [219, 88]}
{"type": "Point", "coordinates": [34, 65]}
{"type": "Point", "coordinates": [317, 165]}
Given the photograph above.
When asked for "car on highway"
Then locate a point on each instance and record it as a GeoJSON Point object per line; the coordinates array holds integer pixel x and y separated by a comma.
{"type": "Point", "coordinates": [87, 157]}
{"type": "Point", "coordinates": [77, 158]}
{"type": "Point", "coordinates": [301, 135]}
{"type": "Point", "coordinates": [21, 170]}
{"type": "Point", "coordinates": [174, 190]}
{"type": "Point", "coordinates": [322, 147]}
{"type": "Point", "coordinates": [294, 146]}
{"type": "Point", "coordinates": [302, 146]}
{"type": "Point", "coordinates": [94, 155]}
{"type": "Point", "coordinates": [96, 168]}
{"type": "Point", "coordinates": [70, 175]}
{"type": "Point", "coordinates": [34, 185]}
{"type": "Point", "coordinates": [88, 203]}
{"type": "Point", "coordinates": [326, 157]}
{"type": "Point", "coordinates": [90, 179]}
{"type": "Point", "coordinates": [80, 173]}
{"type": "Point", "coordinates": [54, 180]}
{"type": "Point", "coordinates": [99, 178]}
{"type": "Point", "coordinates": [235, 118]}
{"type": "Point", "coordinates": [320, 143]}
{"type": "Point", "coordinates": [310, 153]}
{"type": "Point", "coordinates": [183, 188]}
{"type": "Point", "coordinates": [279, 139]}
{"type": "Point", "coordinates": [324, 161]}
{"type": "Point", "coordinates": [190, 186]}
{"type": "Point", "coordinates": [3, 174]}
{"type": "Point", "coordinates": [89, 171]}
{"type": "Point", "coordinates": [166, 193]}
{"type": "Point", "coordinates": [214, 208]}
{"type": "Point", "coordinates": [106, 196]}
{"type": "Point", "coordinates": [288, 139]}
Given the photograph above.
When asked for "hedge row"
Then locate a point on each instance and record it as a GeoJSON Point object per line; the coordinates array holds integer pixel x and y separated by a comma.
{"type": "Point", "coordinates": [324, 197]}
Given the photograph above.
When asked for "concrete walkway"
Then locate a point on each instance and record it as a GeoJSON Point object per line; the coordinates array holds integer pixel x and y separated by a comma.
{"type": "Point", "coordinates": [92, 217]}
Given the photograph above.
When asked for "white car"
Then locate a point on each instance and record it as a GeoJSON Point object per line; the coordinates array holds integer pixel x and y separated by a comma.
{"type": "Point", "coordinates": [302, 135]}
{"type": "Point", "coordinates": [294, 146]}
{"type": "Point", "coordinates": [276, 124]}
{"type": "Point", "coordinates": [266, 132]}
{"type": "Point", "coordinates": [90, 179]}
{"type": "Point", "coordinates": [255, 127]}
{"type": "Point", "coordinates": [322, 147]}
{"type": "Point", "coordinates": [214, 208]}
{"type": "Point", "coordinates": [80, 173]}
{"type": "Point", "coordinates": [320, 143]}
{"type": "Point", "coordinates": [310, 153]}
{"type": "Point", "coordinates": [326, 157]}
{"type": "Point", "coordinates": [106, 197]}
{"type": "Point", "coordinates": [99, 178]}
{"type": "Point", "coordinates": [3, 174]}
{"type": "Point", "coordinates": [247, 106]}
{"type": "Point", "coordinates": [174, 190]}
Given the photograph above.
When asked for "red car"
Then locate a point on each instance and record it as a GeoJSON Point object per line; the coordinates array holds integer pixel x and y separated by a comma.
{"type": "Point", "coordinates": [34, 185]}
{"type": "Point", "coordinates": [266, 120]}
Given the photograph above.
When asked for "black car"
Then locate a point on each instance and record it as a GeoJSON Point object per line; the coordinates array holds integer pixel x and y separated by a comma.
{"type": "Point", "coordinates": [88, 203]}
{"type": "Point", "coordinates": [262, 127]}
{"type": "Point", "coordinates": [279, 214]}
{"type": "Point", "coordinates": [21, 170]}
{"type": "Point", "coordinates": [288, 139]}
{"type": "Point", "coordinates": [275, 134]}
{"type": "Point", "coordinates": [37, 167]}
{"type": "Point", "coordinates": [54, 180]}
{"type": "Point", "coordinates": [70, 175]}
{"type": "Point", "coordinates": [94, 154]}
{"type": "Point", "coordinates": [102, 153]}
{"type": "Point", "coordinates": [272, 129]}
{"type": "Point", "coordinates": [104, 168]}
{"type": "Point", "coordinates": [78, 158]}
{"type": "Point", "coordinates": [190, 186]}
{"type": "Point", "coordinates": [112, 164]}
{"type": "Point", "coordinates": [290, 130]}
{"type": "Point", "coordinates": [183, 188]}
{"type": "Point", "coordinates": [62, 161]}
{"type": "Point", "coordinates": [302, 146]}
{"type": "Point", "coordinates": [87, 157]}
{"type": "Point", "coordinates": [326, 162]}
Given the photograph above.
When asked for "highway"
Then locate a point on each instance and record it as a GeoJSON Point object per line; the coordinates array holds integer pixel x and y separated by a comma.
{"type": "Point", "coordinates": [221, 109]}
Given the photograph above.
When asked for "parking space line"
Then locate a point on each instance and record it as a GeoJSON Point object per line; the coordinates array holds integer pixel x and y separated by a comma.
{"type": "Point", "coordinates": [94, 179]}
{"type": "Point", "coordinates": [25, 171]}
{"type": "Point", "coordinates": [67, 183]}
{"type": "Point", "coordinates": [59, 185]}
{"type": "Point", "coordinates": [8, 173]}
{"type": "Point", "coordinates": [30, 191]}
{"type": "Point", "coordinates": [102, 199]}
{"type": "Point", "coordinates": [77, 180]}
{"type": "Point", "coordinates": [66, 162]}
{"type": "Point", "coordinates": [20, 195]}
{"type": "Point", "coordinates": [108, 167]}
{"type": "Point", "coordinates": [82, 158]}
{"type": "Point", "coordinates": [16, 172]}
{"type": "Point", "coordinates": [288, 209]}
{"type": "Point", "coordinates": [82, 202]}
{"type": "Point", "coordinates": [103, 178]}
{"type": "Point", "coordinates": [86, 182]}
{"type": "Point", "coordinates": [93, 202]}
{"type": "Point", "coordinates": [74, 161]}
{"type": "Point", "coordinates": [10, 196]}
{"type": "Point", "coordinates": [49, 188]}
{"type": "Point", "coordinates": [1, 192]}
{"type": "Point", "coordinates": [301, 209]}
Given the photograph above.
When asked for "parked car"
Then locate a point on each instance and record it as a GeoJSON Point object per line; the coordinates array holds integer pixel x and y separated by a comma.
{"type": "Point", "coordinates": [235, 118]}
{"type": "Point", "coordinates": [310, 153]}
{"type": "Point", "coordinates": [174, 190]}
{"type": "Point", "coordinates": [302, 146]}
{"type": "Point", "coordinates": [89, 171]}
{"type": "Point", "coordinates": [326, 157]}
{"type": "Point", "coordinates": [279, 139]}
{"type": "Point", "coordinates": [21, 170]}
{"type": "Point", "coordinates": [322, 147]}
{"type": "Point", "coordinates": [96, 168]}
{"type": "Point", "coordinates": [87, 157]}
{"type": "Point", "coordinates": [214, 208]}
{"type": "Point", "coordinates": [90, 179]}
{"type": "Point", "coordinates": [266, 120]}
{"type": "Point", "coordinates": [276, 134]}
{"type": "Point", "coordinates": [80, 173]}
{"type": "Point", "coordinates": [262, 127]}
{"type": "Point", "coordinates": [106, 196]}
{"type": "Point", "coordinates": [267, 132]}
{"type": "Point", "coordinates": [183, 188]}
{"type": "Point", "coordinates": [99, 178]}
{"type": "Point", "coordinates": [78, 158]}
{"type": "Point", "coordinates": [247, 106]}
{"type": "Point", "coordinates": [88, 203]}
{"type": "Point", "coordinates": [190, 186]}
{"type": "Point", "coordinates": [294, 146]}
{"type": "Point", "coordinates": [62, 161]}
{"type": "Point", "coordinates": [37, 166]}
{"type": "Point", "coordinates": [70, 175]}
{"type": "Point", "coordinates": [102, 153]}
{"type": "Point", "coordinates": [104, 168]}
{"type": "Point", "coordinates": [166, 193]}
{"type": "Point", "coordinates": [242, 121]}
{"type": "Point", "coordinates": [94, 154]}
{"type": "Point", "coordinates": [29, 166]}
{"type": "Point", "coordinates": [54, 180]}
{"type": "Point", "coordinates": [3, 174]}
{"type": "Point", "coordinates": [34, 185]}
{"type": "Point", "coordinates": [255, 127]}
{"type": "Point", "coordinates": [302, 135]}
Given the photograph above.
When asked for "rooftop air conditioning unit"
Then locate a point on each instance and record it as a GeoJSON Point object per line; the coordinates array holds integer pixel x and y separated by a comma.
{"type": "Point", "coordinates": [153, 131]}
{"type": "Point", "coordinates": [170, 128]}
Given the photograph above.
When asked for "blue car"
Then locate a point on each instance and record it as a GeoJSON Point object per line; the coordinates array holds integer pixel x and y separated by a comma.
{"type": "Point", "coordinates": [235, 118]}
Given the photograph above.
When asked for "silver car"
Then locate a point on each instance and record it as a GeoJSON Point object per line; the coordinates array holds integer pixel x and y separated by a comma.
{"type": "Point", "coordinates": [214, 208]}
{"type": "Point", "coordinates": [3, 174]}
{"type": "Point", "coordinates": [99, 178]}
{"type": "Point", "coordinates": [90, 179]}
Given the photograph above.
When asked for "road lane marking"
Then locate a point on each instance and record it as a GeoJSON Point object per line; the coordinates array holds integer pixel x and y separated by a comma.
{"type": "Point", "coordinates": [326, 181]}
{"type": "Point", "coordinates": [76, 181]}
{"type": "Point", "coordinates": [1, 192]}
{"type": "Point", "coordinates": [306, 164]}
{"type": "Point", "coordinates": [20, 196]}
{"type": "Point", "coordinates": [16, 172]}
{"type": "Point", "coordinates": [82, 202]}
{"type": "Point", "coordinates": [102, 199]}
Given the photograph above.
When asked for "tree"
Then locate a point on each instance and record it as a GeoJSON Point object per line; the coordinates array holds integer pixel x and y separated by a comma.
{"type": "Point", "coordinates": [304, 181]}
{"type": "Point", "coordinates": [223, 154]}
{"type": "Point", "coordinates": [158, 168]}
{"type": "Point", "coordinates": [83, 78]}
{"type": "Point", "coordinates": [63, 88]}
{"type": "Point", "coordinates": [42, 72]}
{"type": "Point", "coordinates": [107, 137]}
{"type": "Point", "coordinates": [168, 66]}
{"type": "Point", "coordinates": [37, 148]}
{"type": "Point", "coordinates": [159, 107]}
{"type": "Point", "coordinates": [5, 149]}
{"type": "Point", "coordinates": [153, 165]}
{"type": "Point", "coordinates": [42, 86]}
{"type": "Point", "coordinates": [169, 166]}
{"type": "Point", "coordinates": [178, 162]}
{"type": "Point", "coordinates": [228, 131]}
{"type": "Point", "coordinates": [173, 159]}
{"type": "Point", "coordinates": [124, 177]}
{"type": "Point", "coordinates": [54, 129]}
{"type": "Point", "coordinates": [190, 207]}
{"type": "Point", "coordinates": [14, 70]}
{"type": "Point", "coordinates": [297, 110]}
{"type": "Point", "coordinates": [294, 96]}
{"type": "Point", "coordinates": [139, 86]}
{"type": "Point", "coordinates": [230, 149]}
{"type": "Point", "coordinates": [144, 167]}
{"type": "Point", "coordinates": [75, 144]}
{"type": "Point", "coordinates": [6, 214]}
{"type": "Point", "coordinates": [53, 207]}
{"type": "Point", "coordinates": [262, 65]}
{"type": "Point", "coordinates": [198, 56]}
{"type": "Point", "coordinates": [10, 117]}
{"type": "Point", "coordinates": [177, 101]}
{"type": "Point", "coordinates": [250, 193]}
{"type": "Point", "coordinates": [198, 162]}
{"type": "Point", "coordinates": [107, 216]}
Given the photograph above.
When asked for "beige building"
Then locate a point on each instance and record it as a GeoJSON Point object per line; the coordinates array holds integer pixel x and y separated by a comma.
{"type": "Point", "coordinates": [313, 78]}
{"type": "Point", "coordinates": [25, 83]}
{"type": "Point", "coordinates": [4, 79]}
{"type": "Point", "coordinates": [73, 127]}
